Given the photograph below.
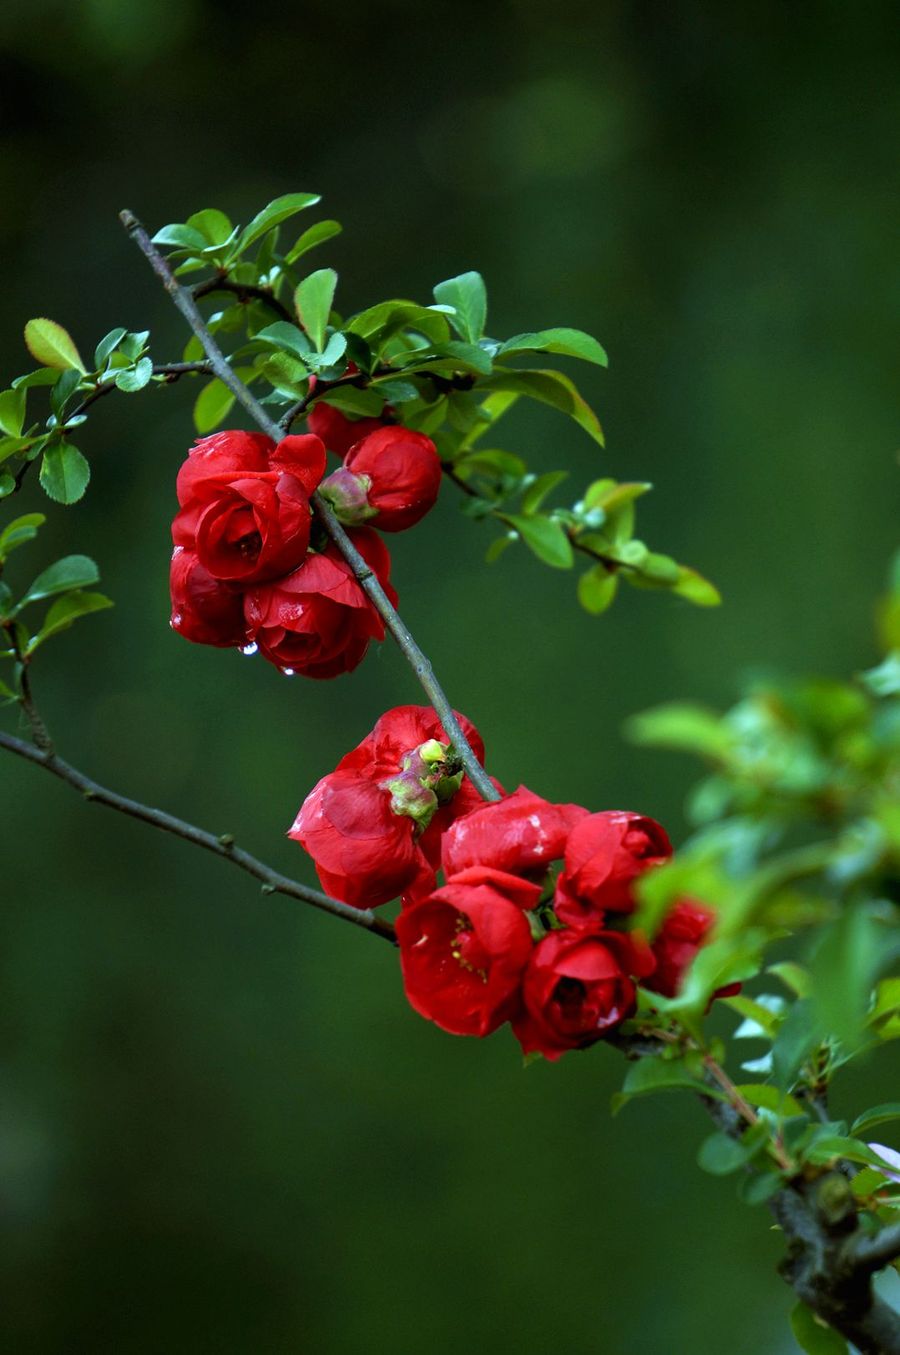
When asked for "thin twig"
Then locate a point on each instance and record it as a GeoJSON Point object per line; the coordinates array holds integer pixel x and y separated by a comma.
{"type": "Point", "coordinates": [361, 571]}
{"type": "Point", "coordinates": [244, 292]}
{"type": "Point", "coordinates": [272, 881]}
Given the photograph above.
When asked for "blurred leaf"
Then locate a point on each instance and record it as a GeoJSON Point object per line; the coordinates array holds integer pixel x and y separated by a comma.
{"type": "Point", "coordinates": [497, 547]}
{"type": "Point", "coordinates": [570, 342]}
{"type": "Point", "coordinates": [843, 972]}
{"type": "Point", "coordinates": [720, 1155]}
{"type": "Point", "coordinates": [466, 294]}
{"type": "Point", "coordinates": [793, 976]}
{"type": "Point", "coordinates": [280, 209]}
{"type": "Point", "coordinates": [877, 1115]}
{"type": "Point", "coordinates": [651, 1074]}
{"type": "Point", "coordinates": [313, 299]}
{"type": "Point", "coordinates": [597, 589]}
{"type": "Point", "coordinates": [315, 235]}
{"type": "Point", "coordinates": [212, 406]}
{"type": "Point", "coordinates": [550, 388]}
{"type": "Point", "coordinates": [65, 611]}
{"type": "Point", "coordinates": [798, 1037]}
{"type": "Point", "coordinates": [19, 531]}
{"type": "Point", "coordinates": [64, 473]}
{"type": "Point", "coordinates": [813, 1336]}
{"type": "Point", "coordinates": [881, 681]}
{"type": "Point", "coordinates": [106, 346]}
{"type": "Point", "coordinates": [681, 725]}
{"type": "Point", "coordinates": [536, 493]}
{"type": "Point", "coordinates": [52, 346]}
{"type": "Point", "coordinates": [545, 538]}
{"type": "Point", "coordinates": [825, 1147]}
{"type": "Point", "coordinates": [12, 411]}
{"type": "Point", "coordinates": [72, 571]}
{"type": "Point", "coordinates": [766, 1097]}
{"type": "Point", "coordinates": [696, 589]}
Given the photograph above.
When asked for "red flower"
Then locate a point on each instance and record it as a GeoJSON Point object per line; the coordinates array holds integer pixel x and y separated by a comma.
{"type": "Point", "coordinates": [245, 503]}
{"type": "Point", "coordinates": [391, 478]}
{"type": "Point", "coordinates": [364, 853]}
{"type": "Point", "coordinates": [464, 948]}
{"type": "Point", "coordinates": [577, 988]}
{"type": "Point", "coordinates": [604, 855]}
{"type": "Point", "coordinates": [683, 933]}
{"type": "Point", "coordinates": [203, 609]}
{"type": "Point", "coordinates": [336, 430]}
{"type": "Point", "coordinates": [317, 620]}
{"type": "Point", "coordinates": [374, 825]}
{"type": "Point", "coordinates": [521, 834]}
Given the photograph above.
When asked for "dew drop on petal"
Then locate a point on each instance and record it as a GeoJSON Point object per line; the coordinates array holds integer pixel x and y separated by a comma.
{"type": "Point", "coordinates": [288, 672]}
{"type": "Point", "coordinates": [250, 649]}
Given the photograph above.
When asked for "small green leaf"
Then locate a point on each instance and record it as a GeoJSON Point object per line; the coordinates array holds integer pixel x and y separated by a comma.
{"type": "Point", "coordinates": [53, 346]}
{"type": "Point", "coordinates": [720, 1154]}
{"type": "Point", "coordinates": [545, 538]}
{"type": "Point", "coordinates": [285, 336]}
{"type": "Point", "coordinates": [72, 571]}
{"type": "Point", "coordinates": [466, 294]}
{"type": "Point", "coordinates": [135, 378]}
{"type": "Point", "coordinates": [696, 589]}
{"type": "Point", "coordinates": [572, 343]}
{"type": "Point", "coordinates": [212, 406]}
{"type": "Point", "coordinates": [652, 1074]}
{"type": "Point", "coordinates": [877, 1115]}
{"type": "Point", "coordinates": [19, 531]}
{"type": "Point", "coordinates": [106, 345]}
{"type": "Point", "coordinates": [64, 473]}
{"type": "Point", "coordinates": [497, 547]}
{"type": "Point", "coordinates": [315, 235]}
{"type": "Point", "coordinates": [597, 589]}
{"type": "Point", "coordinates": [757, 1187]}
{"type": "Point", "coordinates": [313, 299]}
{"type": "Point", "coordinates": [826, 1147]}
{"type": "Point", "coordinates": [12, 411]}
{"type": "Point", "coordinates": [813, 1336]}
{"type": "Point", "coordinates": [767, 1097]}
{"type": "Point", "coordinates": [535, 495]}
{"type": "Point", "coordinates": [681, 725]}
{"type": "Point", "coordinates": [793, 976]}
{"type": "Point", "coordinates": [881, 681]}
{"type": "Point", "coordinates": [272, 215]}
{"type": "Point", "coordinates": [181, 237]}
{"type": "Point", "coordinates": [7, 483]}
{"type": "Point", "coordinates": [550, 388]}
{"type": "Point", "coordinates": [212, 224]}
{"type": "Point", "coordinates": [797, 1038]}
{"type": "Point", "coordinates": [65, 611]}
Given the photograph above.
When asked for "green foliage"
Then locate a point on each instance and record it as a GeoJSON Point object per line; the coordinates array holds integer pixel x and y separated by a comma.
{"type": "Point", "coordinates": [813, 1336]}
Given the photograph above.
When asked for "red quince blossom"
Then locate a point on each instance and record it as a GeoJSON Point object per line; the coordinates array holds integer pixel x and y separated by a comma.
{"type": "Point", "coordinates": [464, 948]}
{"type": "Point", "coordinates": [391, 478]}
{"type": "Point", "coordinates": [364, 853]}
{"type": "Point", "coordinates": [317, 620]}
{"type": "Point", "coordinates": [683, 933]}
{"type": "Point", "coordinates": [373, 826]}
{"type": "Point", "coordinates": [337, 431]}
{"type": "Point", "coordinates": [577, 988]}
{"type": "Point", "coordinates": [245, 503]}
{"type": "Point", "coordinates": [520, 834]}
{"type": "Point", "coordinates": [604, 855]}
{"type": "Point", "coordinates": [203, 609]}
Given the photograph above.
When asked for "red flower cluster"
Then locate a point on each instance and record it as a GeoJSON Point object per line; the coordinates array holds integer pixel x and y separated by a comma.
{"type": "Point", "coordinates": [530, 924]}
{"type": "Point", "coordinates": [244, 572]}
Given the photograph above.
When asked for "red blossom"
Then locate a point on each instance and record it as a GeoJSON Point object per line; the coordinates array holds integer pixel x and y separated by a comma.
{"type": "Point", "coordinates": [604, 855]}
{"type": "Point", "coordinates": [391, 478]}
{"type": "Point", "coordinates": [682, 935]}
{"type": "Point", "coordinates": [521, 834]}
{"type": "Point", "coordinates": [203, 609]}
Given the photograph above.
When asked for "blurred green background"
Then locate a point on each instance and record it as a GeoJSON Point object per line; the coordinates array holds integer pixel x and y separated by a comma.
{"type": "Point", "coordinates": [222, 1128]}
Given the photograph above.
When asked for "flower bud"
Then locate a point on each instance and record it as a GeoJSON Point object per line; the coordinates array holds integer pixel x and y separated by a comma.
{"type": "Point", "coordinates": [346, 493]}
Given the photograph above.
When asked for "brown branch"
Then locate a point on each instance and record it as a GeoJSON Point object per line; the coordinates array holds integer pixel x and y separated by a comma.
{"type": "Point", "coordinates": [245, 293]}
{"type": "Point", "coordinates": [370, 585]}
{"type": "Point", "coordinates": [223, 846]}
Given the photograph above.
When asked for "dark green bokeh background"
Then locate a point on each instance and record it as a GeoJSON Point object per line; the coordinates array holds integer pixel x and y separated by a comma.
{"type": "Point", "coordinates": [222, 1128]}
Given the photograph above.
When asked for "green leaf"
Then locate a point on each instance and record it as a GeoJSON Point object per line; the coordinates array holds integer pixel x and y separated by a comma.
{"type": "Point", "coordinates": [573, 343]}
{"type": "Point", "coordinates": [285, 336]}
{"type": "Point", "coordinates": [272, 215]}
{"type": "Point", "coordinates": [497, 547]}
{"type": "Point", "coordinates": [72, 571]}
{"type": "Point", "coordinates": [10, 446]}
{"type": "Point", "coordinates": [757, 1187]}
{"type": "Point", "coordinates": [378, 324]}
{"type": "Point", "coordinates": [681, 725]}
{"type": "Point", "coordinates": [12, 411]}
{"type": "Point", "coordinates": [760, 1021]}
{"type": "Point", "coordinates": [64, 473]}
{"type": "Point", "coordinates": [881, 681]}
{"type": "Point", "coordinates": [315, 235]}
{"type": "Point", "coordinates": [696, 589]}
{"type": "Point", "coordinates": [652, 1074]}
{"type": "Point", "coordinates": [135, 378]}
{"type": "Point", "coordinates": [212, 224]}
{"type": "Point", "coordinates": [65, 611]}
{"type": "Point", "coordinates": [843, 973]}
{"type": "Point", "coordinates": [106, 346]}
{"type": "Point", "coordinates": [877, 1115]}
{"type": "Point", "coordinates": [212, 406]}
{"type": "Point", "coordinates": [825, 1147]}
{"type": "Point", "coordinates": [793, 976]}
{"type": "Point", "coordinates": [763, 1095]}
{"type": "Point", "coordinates": [813, 1336]}
{"type": "Point", "coordinates": [465, 355]}
{"type": "Point", "coordinates": [7, 483]}
{"type": "Point", "coordinates": [550, 388]}
{"type": "Point", "coordinates": [535, 495]}
{"type": "Point", "coordinates": [313, 299]}
{"type": "Point", "coordinates": [597, 589]}
{"type": "Point", "coordinates": [18, 532]}
{"type": "Point", "coordinates": [52, 346]}
{"type": "Point", "coordinates": [545, 538]}
{"type": "Point", "coordinates": [720, 1154]}
{"type": "Point", "coordinates": [797, 1038]}
{"type": "Point", "coordinates": [181, 237]}
{"type": "Point", "coordinates": [466, 294]}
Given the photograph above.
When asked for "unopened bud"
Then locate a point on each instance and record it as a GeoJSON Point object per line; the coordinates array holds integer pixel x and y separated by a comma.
{"type": "Point", "coordinates": [347, 493]}
{"type": "Point", "coordinates": [410, 798]}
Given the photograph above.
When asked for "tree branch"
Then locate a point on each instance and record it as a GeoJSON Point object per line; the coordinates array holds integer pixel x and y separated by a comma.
{"type": "Point", "coordinates": [272, 881]}
{"type": "Point", "coordinates": [420, 664]}
{"type": "Point", "coordinates": [875, 1251]}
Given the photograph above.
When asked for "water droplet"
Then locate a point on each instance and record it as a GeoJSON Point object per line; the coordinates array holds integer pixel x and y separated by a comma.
{"type": "Point", "coordinates": [288, 672]}
{"type": "Point", "coordinates": [176, 620]}
{"type": "Point", "coordinates": [249, 649]}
